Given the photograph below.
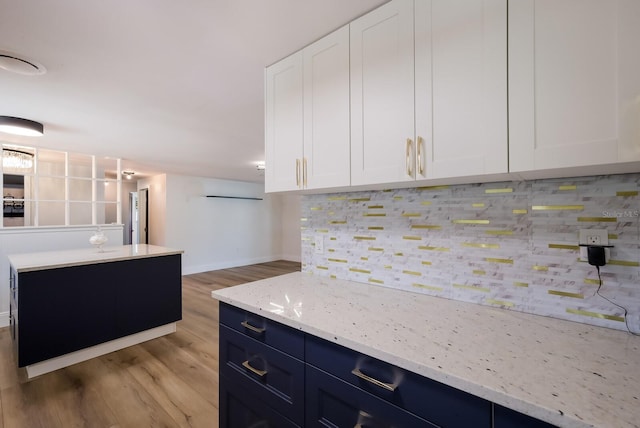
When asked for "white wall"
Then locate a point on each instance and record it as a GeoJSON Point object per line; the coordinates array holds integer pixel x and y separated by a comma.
{"type": "Point", "coordinates": [28, 240]}
{"type": "Point", "coordinates": [291, 227]}
{"type": "Point", "coordinates": [218, 233]}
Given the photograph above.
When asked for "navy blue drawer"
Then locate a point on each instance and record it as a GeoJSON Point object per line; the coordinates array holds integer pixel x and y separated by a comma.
{"type": "Point", "coordinates": [438, 403]}
{"type": "Point", "coordinates": [239, 409]}
{"type": "Point", "coordinates": [331, 402]}
{"type": "Point", "coordinates": [272, 376]}
{"type": "Point", "coordinates": [264, 330]}
{"type": "Point", "coordinates": [507, 418]}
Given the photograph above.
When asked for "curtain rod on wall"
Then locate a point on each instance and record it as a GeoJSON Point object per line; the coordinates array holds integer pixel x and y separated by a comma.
{"type": "Point", "coordinates": [234, 197]}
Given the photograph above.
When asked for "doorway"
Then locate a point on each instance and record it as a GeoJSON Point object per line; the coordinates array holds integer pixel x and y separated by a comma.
{"type": "Point", "coordinates": [13, 200]}
{"type": "Point", "coordinates": [133, 218]}
{"type": "Point", "coordinates": [143, 216]}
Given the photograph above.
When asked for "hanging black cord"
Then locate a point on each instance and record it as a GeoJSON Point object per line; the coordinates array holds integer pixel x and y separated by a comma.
{"type": "Point", "coordinates": [626, 323]}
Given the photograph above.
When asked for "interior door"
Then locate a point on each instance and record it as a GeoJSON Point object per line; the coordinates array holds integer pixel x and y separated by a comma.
{"type": "Point", "coordinates": [133, 218]}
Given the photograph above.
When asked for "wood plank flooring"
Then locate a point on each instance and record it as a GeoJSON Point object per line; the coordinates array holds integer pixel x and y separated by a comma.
{"type": "Point", "coordinates": [171, 381]}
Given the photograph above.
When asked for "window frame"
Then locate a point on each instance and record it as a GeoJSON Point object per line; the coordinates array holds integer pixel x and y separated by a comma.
{"type": "Point", "coordinates": [35, 175]}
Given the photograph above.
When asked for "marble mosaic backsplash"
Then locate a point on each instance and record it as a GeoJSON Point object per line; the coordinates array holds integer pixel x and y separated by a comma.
{"type": "Point", "coordinates": [512, 245]}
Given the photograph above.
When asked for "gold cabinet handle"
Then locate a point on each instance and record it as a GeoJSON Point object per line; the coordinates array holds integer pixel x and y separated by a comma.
{"type": "Point", "coordinates": [298, 172]}
{"type": "Point", "coordinates": [388, 386]}
{"type": "Point", "coordinates": [254, 370]}
{"type": "Point", "coordinates": [408, 160]}
{"type": "Point", "coordinates": [304, 172]}
{"type": "Point", "coordinates": [419, 144]}
{"type": "Point", "coordinates": [248, 326]}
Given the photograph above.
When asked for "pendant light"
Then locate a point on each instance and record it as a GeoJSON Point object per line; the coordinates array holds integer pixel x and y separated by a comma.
{"type": "Point", "coordinates": [16, 159]}
{"type": "Point", "coordinates": [19, 126]}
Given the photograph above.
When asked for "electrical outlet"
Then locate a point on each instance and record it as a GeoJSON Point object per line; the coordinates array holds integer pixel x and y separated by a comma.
{"type": "Point", "coordinates": [319, 244]}
{"type": "Point", "coordinates": [593, 237]}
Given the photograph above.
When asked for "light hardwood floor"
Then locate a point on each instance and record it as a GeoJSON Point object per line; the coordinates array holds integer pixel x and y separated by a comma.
{"type": "Point", "coordinates": [167, 382]}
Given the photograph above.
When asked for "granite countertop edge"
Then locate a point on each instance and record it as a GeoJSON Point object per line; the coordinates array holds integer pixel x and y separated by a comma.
{"type": "Point", "coordinates": [30, 262]}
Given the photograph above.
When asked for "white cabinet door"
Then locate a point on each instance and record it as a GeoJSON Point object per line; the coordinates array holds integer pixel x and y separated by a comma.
{"type": "Point", "coordinates": [461, 87]}
{"type": "Point", "coordinates": [382, 91]}
{"type": "Point", "coordinates": [574, 83]}
{"type": "Point", "coordinates": [284, 124]}
{"type": "Point", "coordinates": [327, 153]}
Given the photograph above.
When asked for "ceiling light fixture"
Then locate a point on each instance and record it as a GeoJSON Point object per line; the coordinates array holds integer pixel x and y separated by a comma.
{"type": "Point", "coordinates": [128, 174]}
{"type": "Point", "coordinates": [19, 126]}
{"type": "Point", "coordinates": [16, 159]}
{"type": "Point", "coordinates": [19, 64]}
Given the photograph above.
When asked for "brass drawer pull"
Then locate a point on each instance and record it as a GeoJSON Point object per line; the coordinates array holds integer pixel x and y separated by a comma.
{"type": "Point", "coordinates": [258, 330]}
{"type": "Point", "coordinates": [362, 418]}
{"type": "Point", "coordinates": [254, 370]}
{"type": "Point", "coordinates": [408, 160]}
{"type": "Point", "coordinates": [388, 386]}
{"type": "Point", "coordinates": [304, 172]}
{"type": "Point", "coordinates": [419, 145]}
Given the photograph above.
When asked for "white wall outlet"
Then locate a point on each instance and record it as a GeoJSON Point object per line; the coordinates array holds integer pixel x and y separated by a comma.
{"type": "Point", "coordinates": [593, 237]}
{"type": "Point", "coordinates": [319, 244]}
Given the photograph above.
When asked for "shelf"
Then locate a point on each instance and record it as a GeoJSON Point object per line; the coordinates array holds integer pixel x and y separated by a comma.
{"type": "Point", "coordinates": [234, 197]}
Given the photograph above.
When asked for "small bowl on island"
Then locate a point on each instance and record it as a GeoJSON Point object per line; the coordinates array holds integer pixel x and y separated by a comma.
{"type": "Point", "coordinates": [98, 239]}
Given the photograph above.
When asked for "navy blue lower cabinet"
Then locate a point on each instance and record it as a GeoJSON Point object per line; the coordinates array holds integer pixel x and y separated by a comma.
{"type": "Point", "coordinates": [438, 403]}
{"type": "Point", "coordinates": [61, 310]}
{"type": "Point", "coordinates": [151, 295]}
{"type": "Point", "coordinates": [263, 330]}
{"type": "Point", "coordinates": [331, 402]}
{"type": "Point", "coordinates": [507, 418]}
{"type": "Point", "coordinates": [240, 409]}
{"type": "Point", "coordinates": [273, 377]}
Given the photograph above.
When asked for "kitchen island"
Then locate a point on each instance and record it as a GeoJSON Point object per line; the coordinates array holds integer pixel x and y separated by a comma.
{"type": "Point", "coordinates": [560, 372]}
{"type": "Point", "coordinates": [69, 306]}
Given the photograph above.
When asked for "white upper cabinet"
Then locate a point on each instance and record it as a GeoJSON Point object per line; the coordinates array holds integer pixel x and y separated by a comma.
{"type": "Point", "coordinates": [574, 83]}
{"type": "Point", "coordinates": [454, 90]}
{"type": "Point", "coordinates": [284, 124]}
{"type": "Point", "coordinates": [453, 121]}
{"type": "Point", "coordinates": [382, 91]}
{"type": "Point", "coordinates": [307, 117]}
{"type": "Point", "coordinates": [326, 161]}
{"type": "Point", "coordinates": [461, 87]}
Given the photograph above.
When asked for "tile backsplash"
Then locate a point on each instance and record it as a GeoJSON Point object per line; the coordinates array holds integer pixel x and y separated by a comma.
{"type": "Point", "coordinates": [512, 245]}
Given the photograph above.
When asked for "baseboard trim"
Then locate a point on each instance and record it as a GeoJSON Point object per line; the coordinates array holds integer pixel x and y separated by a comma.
{"type": "Point", "coordinates": [292, 258]}
{"type": "Point", "coordinates": [4, 319]}
{"type": "Point", "coordinates": [188, 270]}
{"type": "Point", "coordinates": [66, 360]}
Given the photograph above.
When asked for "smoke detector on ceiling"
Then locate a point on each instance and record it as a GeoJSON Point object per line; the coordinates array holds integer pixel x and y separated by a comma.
{"type": "Point", "coordinates": [20, 64]}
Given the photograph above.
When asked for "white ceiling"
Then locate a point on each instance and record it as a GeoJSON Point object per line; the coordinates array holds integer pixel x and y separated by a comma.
{"type": "Point", "coordinates": [169, 86]}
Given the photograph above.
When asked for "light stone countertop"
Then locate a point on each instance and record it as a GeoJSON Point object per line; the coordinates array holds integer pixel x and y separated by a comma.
{"type": "Point", "coordinates": [565, 373]}
{"type": "Point", "coordinates": [27, 262]}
